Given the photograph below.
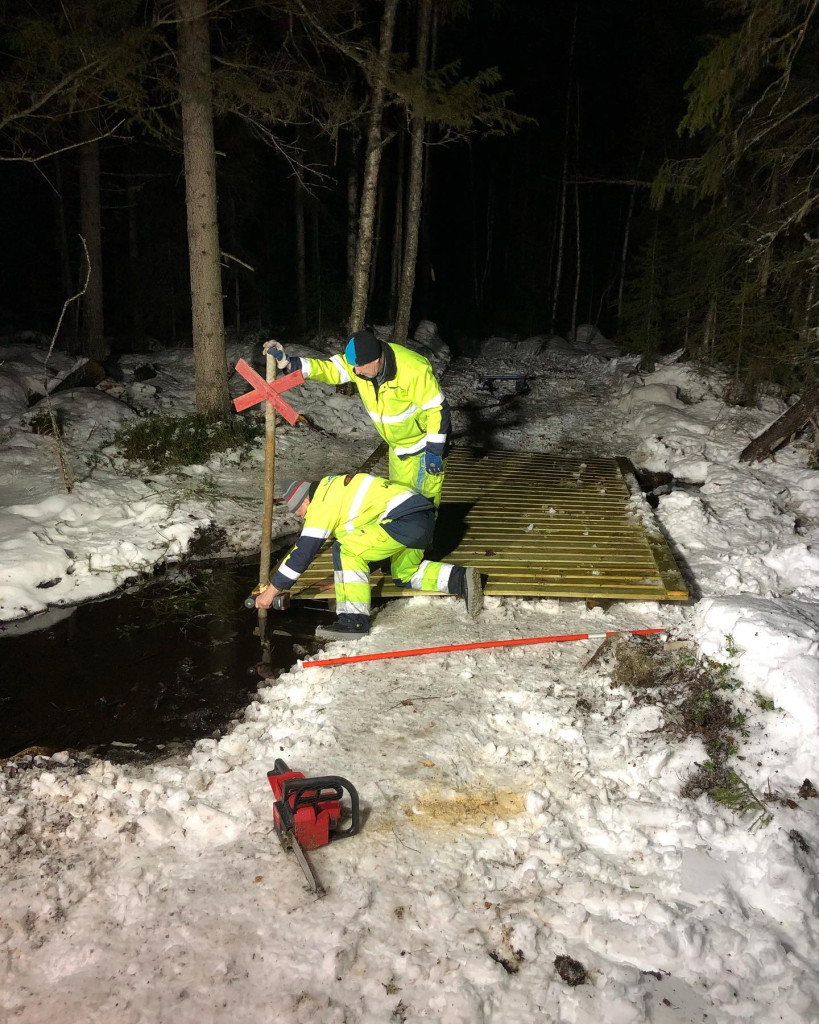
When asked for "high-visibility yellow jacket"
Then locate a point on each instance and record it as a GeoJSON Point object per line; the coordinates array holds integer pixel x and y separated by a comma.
{"type": "Point", "coordinates": [340, 505]}
{"type": "Point", "coordinates": [407, 407]}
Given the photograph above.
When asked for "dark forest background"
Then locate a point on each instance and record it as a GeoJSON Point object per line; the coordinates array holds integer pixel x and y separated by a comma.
{"type": "Point", "coordinates": [647, 166]}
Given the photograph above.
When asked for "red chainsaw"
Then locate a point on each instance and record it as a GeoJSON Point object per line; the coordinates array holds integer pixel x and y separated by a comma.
{"type": "Point", "coordinates": [307, 812]}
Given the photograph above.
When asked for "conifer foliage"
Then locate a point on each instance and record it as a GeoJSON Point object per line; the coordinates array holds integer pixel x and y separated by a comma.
{"type": "Point", "coordinates": [740, 284]}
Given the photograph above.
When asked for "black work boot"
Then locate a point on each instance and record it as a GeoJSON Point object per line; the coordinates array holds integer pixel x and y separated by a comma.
{"type": "Point", "coordinates": [466, 583]}
{"type": "Point", "coordinates": [346, 625]}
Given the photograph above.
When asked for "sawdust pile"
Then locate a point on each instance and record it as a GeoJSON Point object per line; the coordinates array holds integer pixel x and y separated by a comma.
{"type": "Point", "coordinates": [444, 808]}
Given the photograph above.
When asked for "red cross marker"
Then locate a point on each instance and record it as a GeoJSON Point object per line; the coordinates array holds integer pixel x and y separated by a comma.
{"type": "Point", "coordinates": [270, 392]}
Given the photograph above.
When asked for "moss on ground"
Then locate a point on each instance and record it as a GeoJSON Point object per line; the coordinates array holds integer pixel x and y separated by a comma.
{"type": "Point", "coordinates": [695, 694]}
{"type": "Point", "coordinates": [166, 442]}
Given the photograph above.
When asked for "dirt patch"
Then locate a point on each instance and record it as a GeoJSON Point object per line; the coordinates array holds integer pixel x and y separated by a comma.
{"type": "Point", "coordinates": [694, 693]}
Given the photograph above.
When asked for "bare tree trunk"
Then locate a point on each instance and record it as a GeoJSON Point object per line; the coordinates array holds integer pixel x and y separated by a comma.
{"type": "Point", "coordinates": [474, 222]}
{"type": "Point", "coordinates": [315, 239]}
{"type": "Point", "coordinates": [376, 241]}
{"type": "Point", "coordinates": [767, 255]}
{"type": "Point", "coordinates": [172, 296]}
{"type": "Point", "coordinates": [426, 272]}
{"type": "Point", "coordinates": [210, 364]}
{"type": "Point", "coordinates": [560, 236]}
{"type": "Point", "coordinates": [66, 277]}
{"type": "Point", "coordinates": [647, 361]}
{"type": "Point", "coordinates": [490, 239]}
{"type": "Point", "coordinates": [92, 325]}
{"type": "Point", "coordinates": [301, 255]}
{"type": "Point", "coordinates": [415, 188]}
{"type": "Point", "coordinates": [576, 297]}
{"type": "Point", "coordinates": [397, 233]}
{"type": "Point", "coordinates": [133, 267]}
{"type": "Point", "coordinates": [710, 329]}
{"type": "Point", "coordinates": [352, 222]}
{"type": "Point", "coordinates": [369, 190]}
{"type": "Point", "coordinates": [564, 182]}
{"type": "Point", "coordinates": [809, 317]}
{"type": "Point", "coordinates": [624, 255]}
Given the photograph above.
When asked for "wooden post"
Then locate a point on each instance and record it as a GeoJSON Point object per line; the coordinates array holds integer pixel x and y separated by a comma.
{"type": "Point", "coordinates": [267, 513]}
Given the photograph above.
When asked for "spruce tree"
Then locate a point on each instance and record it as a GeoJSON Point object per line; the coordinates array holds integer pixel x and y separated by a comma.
{"type": "Point", "coordinates": [753, 102]}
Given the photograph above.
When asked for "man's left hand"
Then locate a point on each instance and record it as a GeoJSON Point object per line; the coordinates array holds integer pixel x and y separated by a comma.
{"type": "Point", "coordinates": [433, 464]}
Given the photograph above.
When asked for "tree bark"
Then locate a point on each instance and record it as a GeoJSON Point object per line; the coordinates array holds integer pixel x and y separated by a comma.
{"type": "Point", "coordinates": [134, 277]}
{"type": "Point", "coordinates": [376, 242]}
{"type": "Point", "coordinates": [624, 256]}
{"type": "Point", "coordinates": [578, 265]}
{"type": "Point", "coordinates": [397, 247]}
{"type": "Point", "coordinates": [315, 239]}
{"type": "Point", "coordinates": [92, 324]}
{"type": "Point", "coordinates": [369, 189]}
{"type": "Point", "coordinates": [577, 269]}
{"type": "Point", "coordinates": [210, 364]}
{"type": "Point", "coordinates": [782, 429]}
{"type": "Point", "coordinates": [767, 256]}
{"type": "Point", "coordinates": [352, 208]}
{"type": "Point", "coordinates": [425, 274]}
{"type": "Point", "coordinates": [415, 186]}
{"type": "Point", "coordinates": [809, 317]}
{"type": "Point", "coordinates": [66, 277]}
{"type": "Point", "coordinates": [564, 181]}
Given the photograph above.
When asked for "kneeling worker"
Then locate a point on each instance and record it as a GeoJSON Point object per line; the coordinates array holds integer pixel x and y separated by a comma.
{"type": "Point", "coordinates": [371, 519]}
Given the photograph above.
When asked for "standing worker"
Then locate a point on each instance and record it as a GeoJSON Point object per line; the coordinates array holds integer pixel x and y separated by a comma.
{"type": "Point", "coordinates": [402, 396]}
{"type": "Point", "coordinates": [370, 519]}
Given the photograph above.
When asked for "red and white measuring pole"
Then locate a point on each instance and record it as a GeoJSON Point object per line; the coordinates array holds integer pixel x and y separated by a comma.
{"type": "Point", "coordinates": [483, 645]}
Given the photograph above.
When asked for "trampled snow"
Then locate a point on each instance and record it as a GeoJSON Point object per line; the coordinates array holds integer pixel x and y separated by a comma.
{"type": "Point", "coordinates": [519, 805]}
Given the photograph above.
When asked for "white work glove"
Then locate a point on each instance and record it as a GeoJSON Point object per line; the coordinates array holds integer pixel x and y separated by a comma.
{"type": "Point", "coordinates": [274, 348]}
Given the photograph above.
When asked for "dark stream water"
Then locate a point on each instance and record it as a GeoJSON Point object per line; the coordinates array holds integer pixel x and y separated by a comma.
{"type": "Point", "coordinates": [161, 664]}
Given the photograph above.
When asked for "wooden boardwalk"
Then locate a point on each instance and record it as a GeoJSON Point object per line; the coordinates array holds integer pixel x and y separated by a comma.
{"type": "Point", "coordinates": [539, 526]}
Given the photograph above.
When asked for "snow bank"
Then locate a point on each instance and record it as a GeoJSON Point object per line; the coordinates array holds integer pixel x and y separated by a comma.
{"type": "Point", "coordinates": [518, 804]}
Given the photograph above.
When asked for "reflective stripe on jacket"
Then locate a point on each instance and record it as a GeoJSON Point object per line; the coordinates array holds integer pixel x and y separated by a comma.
{"type": "Point", "coordinates": [408, 410]}
{"type": "Point", "coordinates": [340, 506]}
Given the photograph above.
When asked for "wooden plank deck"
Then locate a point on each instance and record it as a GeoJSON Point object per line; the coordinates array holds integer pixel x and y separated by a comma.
{"type": "Point", "coordinates": [539, 526]}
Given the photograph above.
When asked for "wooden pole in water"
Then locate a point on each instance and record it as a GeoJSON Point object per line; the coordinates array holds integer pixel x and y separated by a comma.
{"type": "Point", "coordinates": [267, 514]}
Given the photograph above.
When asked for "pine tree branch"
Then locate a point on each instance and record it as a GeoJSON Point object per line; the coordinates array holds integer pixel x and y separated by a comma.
{"type": "Point", "coordinates": [64, 149]}
{"type": "Point", "coordinates": [59, 87]}
{"type": "Point", "coordinates": [360, 55]}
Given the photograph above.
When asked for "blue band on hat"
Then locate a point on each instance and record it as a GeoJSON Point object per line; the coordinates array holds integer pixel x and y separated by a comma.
{"type": "Point", "coordinates": [349, 352]}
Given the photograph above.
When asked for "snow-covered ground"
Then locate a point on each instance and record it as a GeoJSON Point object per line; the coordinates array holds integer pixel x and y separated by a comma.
{"type": "Point", "coordinates": [519, 804]}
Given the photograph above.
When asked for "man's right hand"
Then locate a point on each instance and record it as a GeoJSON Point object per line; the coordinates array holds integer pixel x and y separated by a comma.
{"type": "Point", "coordinates": [265, 599]}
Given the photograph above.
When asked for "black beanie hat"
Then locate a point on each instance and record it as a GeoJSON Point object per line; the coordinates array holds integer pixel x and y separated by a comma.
{"type": "Point", "coordinates": [362, 348]}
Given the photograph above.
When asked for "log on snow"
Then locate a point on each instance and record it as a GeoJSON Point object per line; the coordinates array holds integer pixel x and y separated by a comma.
{"type": "Point", "coordinates": [782, 429]}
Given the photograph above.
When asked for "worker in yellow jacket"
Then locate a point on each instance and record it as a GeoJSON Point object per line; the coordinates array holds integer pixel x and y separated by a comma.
{"type": "Point", "coordinates": [401, 395]}
{"type": "Point", "coordinates": [369, 519]}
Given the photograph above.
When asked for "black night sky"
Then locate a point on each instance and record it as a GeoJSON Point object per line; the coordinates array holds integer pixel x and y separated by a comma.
{"type": "Point", "coordinates": [489, 240]}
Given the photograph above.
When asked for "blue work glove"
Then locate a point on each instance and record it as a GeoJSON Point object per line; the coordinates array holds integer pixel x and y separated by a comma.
{"type": "Point", "coordinates": [273, 348]}
{"type": "Point", "coordinates": [433, 464]}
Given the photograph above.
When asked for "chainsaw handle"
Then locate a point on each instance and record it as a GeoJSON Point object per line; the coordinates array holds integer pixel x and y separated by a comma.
{"type": "Point", "coordinates": [310, 792]}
